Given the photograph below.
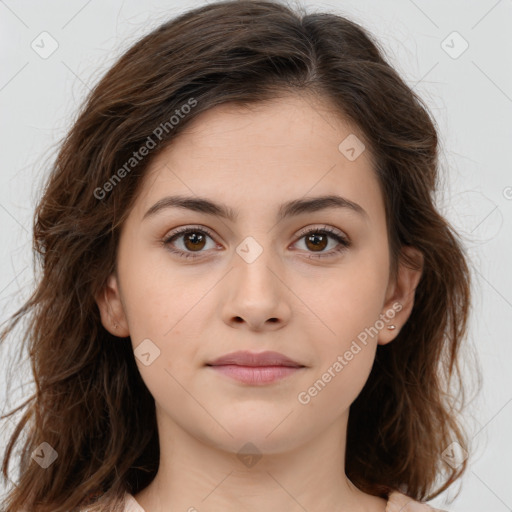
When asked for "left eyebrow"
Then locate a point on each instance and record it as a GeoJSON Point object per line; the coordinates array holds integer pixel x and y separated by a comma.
{"type": "Point", "coordinates": [286, 210]}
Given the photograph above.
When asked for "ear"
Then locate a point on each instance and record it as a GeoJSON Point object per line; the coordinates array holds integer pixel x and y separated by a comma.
{"type": "Point", "coordinates": [399, 299]}
{"type": "Point", "coordinates": [111, 308]}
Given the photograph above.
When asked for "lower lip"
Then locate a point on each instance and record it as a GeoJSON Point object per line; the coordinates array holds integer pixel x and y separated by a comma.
{"type": "Point", "coordinates": [256, 374]}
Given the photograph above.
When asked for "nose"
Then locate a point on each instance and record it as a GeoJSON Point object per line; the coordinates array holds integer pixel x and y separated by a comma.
{"type": "Point", "coordinates": [257, 297]}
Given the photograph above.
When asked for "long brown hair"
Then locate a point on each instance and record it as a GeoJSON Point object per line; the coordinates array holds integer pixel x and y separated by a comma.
{"type": "Point", "coordinates": [90, 405]}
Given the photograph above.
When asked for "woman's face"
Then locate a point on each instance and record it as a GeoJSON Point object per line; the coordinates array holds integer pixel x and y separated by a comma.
{"type": "Point", "coordinates": [257, 282]}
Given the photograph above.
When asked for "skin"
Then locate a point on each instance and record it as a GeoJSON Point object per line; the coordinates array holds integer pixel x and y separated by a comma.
{"type": "Point", "coordinates": [311, 310]}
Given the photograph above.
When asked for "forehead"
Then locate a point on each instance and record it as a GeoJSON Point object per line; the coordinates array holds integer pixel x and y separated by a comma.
{"type": "Point", "coordinates": [265, 154]}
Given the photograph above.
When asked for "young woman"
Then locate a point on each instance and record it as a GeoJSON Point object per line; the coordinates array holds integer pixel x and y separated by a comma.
{"type": "Point", "coordinates": [248, 298]}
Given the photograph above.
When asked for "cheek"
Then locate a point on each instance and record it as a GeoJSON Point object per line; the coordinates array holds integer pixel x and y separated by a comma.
{"type": "Point", "coordinates": [162, 309]}
{"type": "Point", "coordinates": [338, 383]}
{"type": "Point", "coordinates": [346, 342]}
{"type": "Point", "coordinates": [155, 296]}
{"type": "Point", "coordinates": [172, 359]}
{"type": "Point", "coordinates": [349, 301]}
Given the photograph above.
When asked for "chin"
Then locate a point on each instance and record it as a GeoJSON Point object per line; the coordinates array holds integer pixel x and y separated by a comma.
{"type": "Point", "coordinates": [262, 438]}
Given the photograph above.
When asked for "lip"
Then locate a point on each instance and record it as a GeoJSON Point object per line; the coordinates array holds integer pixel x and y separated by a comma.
{"type": "Point", "coordinates": [255, 368]}
{"type": "Point", "coordinates": [256, 375]}
{"type": "Point", "coordinates": [255, 359]}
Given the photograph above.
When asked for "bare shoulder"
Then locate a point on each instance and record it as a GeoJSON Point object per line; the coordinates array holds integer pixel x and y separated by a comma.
{"type": "Point", "coordinates": [398, 502]}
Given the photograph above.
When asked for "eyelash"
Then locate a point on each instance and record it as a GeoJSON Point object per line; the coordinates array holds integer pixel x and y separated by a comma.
{"type": "Point", "coordinates": [326, 230]}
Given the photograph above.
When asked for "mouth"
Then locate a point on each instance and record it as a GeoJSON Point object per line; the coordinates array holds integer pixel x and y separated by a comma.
{"type": "Point", "coordinates": [256, 375]}
{"type": "Point", "coordinates": [255, 359]}
{"type": "Point", "coordinates": [255, 368]}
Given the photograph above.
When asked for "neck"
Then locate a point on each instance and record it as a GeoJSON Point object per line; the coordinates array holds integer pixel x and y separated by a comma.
{"type": "Point", "coordinates": [195, 476]}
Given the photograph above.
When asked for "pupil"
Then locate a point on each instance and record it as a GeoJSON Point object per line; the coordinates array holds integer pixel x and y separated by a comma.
{"type": "Point", "coordinates": [195, 239]}
{"type": "Point", "coordinates": [313, 238]}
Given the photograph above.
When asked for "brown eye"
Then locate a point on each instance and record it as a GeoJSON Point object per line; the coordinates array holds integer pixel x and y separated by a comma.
{"type": "Point", "coordinates": [193, 240]}
{"type": "Point", "coordinates": [316, 241]}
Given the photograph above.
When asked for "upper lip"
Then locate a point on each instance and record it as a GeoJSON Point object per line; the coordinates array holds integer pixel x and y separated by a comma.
{"type": "Point", "coordinates": [245, 358]}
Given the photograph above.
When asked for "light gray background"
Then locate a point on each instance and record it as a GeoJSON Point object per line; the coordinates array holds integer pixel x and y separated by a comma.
{"type": "Point", "coordinates": [469, 94]}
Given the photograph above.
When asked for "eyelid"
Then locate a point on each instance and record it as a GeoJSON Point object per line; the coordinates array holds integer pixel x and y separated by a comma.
{"type": "Point", "coordinates": [323, 227]}
{"type": "Point", "coordinates": [184, 229]}
{"type": "Point", "coordinates": [301, 233]}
